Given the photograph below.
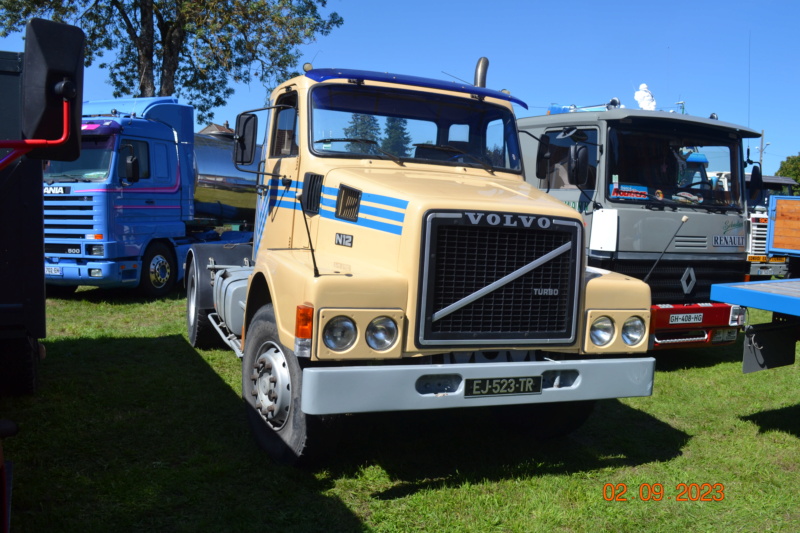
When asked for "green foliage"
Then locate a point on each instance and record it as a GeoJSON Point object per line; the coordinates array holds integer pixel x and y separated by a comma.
{"type": "Point", "coordinates": [790, 168]}
{"type": "Point", "coordinates": [192, 49]}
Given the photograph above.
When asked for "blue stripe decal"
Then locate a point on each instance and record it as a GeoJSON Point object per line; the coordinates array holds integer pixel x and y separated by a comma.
{"type": "Point", "coordinates": [364, 222]}
{"type": "Point", "coordinates": [369, 210]}
{"type": "Point", "coordinates": [282, 198]}
{"type": "Point", "coordinates": [372, 198]}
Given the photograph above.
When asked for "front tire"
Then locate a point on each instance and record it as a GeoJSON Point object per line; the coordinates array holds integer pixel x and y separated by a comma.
{"type": "Point", "coordinates": [272, 383]}
{"type": "Point", "coordinates": [158, 271]}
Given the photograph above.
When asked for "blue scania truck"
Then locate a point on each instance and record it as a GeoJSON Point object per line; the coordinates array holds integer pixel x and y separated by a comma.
{"type": "Point", "coordinates": [144, 189]}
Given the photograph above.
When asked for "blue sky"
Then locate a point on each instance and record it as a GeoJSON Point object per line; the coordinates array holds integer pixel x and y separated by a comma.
{"type": "Point", "coordinates": [734, 58]}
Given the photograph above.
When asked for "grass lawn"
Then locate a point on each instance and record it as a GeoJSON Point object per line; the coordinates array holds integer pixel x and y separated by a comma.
{"type": "Point", "coordinates": [135, 430]}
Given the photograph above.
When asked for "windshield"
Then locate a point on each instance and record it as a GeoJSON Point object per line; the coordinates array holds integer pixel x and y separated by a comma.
{"type": "Point", "coordinates": [92, 165]}
{"type": "Point", "coordinates": [667, 167]}
{"type": "Point", "coordinates": [415, 126]}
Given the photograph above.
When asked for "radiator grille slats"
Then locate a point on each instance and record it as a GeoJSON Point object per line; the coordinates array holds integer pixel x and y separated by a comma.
{"type": "Point", "coordinates": [464, 258]}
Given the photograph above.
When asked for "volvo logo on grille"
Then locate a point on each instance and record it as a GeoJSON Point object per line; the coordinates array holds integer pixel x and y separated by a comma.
{"type": "Point", "coordinates": [56, 190]}
{"type": "Point", "coordinates": [509, 220]}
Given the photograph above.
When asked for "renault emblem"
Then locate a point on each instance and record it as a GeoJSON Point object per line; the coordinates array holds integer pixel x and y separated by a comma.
{"type": "Point", "coordinates": [688, 280]}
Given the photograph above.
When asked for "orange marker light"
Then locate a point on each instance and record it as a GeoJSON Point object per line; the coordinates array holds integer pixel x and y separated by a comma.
{"type": "Point", "coordinates": [304, 322]}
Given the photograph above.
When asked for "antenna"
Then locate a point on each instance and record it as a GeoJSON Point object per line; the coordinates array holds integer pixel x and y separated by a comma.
{"type": "Point", "coordinates": [683, 221]}
{"type": "Point", "coordinates": [308, 232]}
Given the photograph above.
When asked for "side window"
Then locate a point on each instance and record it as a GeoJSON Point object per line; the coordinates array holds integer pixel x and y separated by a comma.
{"type": "Point", "coordinates": [559, 158]}
{"type": "Point", "coordinates": [161, 164]}
{"type": "Point", "coordinates": [284, 136]}
{"type": "Point", "coordinates": [139, 150]}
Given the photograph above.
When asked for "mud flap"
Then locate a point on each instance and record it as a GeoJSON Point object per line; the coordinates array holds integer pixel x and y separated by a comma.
{"type": "Point", "coordinates": [770, 345]}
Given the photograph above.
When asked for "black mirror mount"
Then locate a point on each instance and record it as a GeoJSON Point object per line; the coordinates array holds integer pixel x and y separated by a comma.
{"type": "Point", "coordinates": [756, 186]}
{"type": "Point", "coordinates": [578, 168]}
{"type": "Point", "coordinates": [245, 137]}
{"type": "Point", "coordinates": [543, 157]}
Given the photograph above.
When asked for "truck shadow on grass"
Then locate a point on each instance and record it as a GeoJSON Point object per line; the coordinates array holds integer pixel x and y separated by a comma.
{"type": "Point", "coordinates": [451, 447]}
{"type": "Point", "coordinates": [785, 419]}
{"type": "Point", "coordinates": [146, 434]}
{"type": "Point", "coordinates": [135, 434]}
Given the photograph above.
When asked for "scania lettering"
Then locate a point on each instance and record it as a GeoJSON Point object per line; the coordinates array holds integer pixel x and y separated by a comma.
{"type": "Point", "coordinates": [413, 275]}
{"type": "Point", "coordinates": [663, 198]}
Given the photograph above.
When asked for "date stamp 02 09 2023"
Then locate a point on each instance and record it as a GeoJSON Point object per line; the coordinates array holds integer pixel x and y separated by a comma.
{"type": "Point", "coordinates": [684, 492]}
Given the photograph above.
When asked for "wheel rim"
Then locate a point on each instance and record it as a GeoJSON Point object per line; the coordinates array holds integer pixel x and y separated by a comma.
{"type": "Point", "coordinates": [272, 385]}
{"type": "Point", "coordinates": [159, 271]}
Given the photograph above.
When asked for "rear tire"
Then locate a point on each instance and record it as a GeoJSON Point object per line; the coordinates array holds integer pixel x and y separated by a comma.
{"type": "Point", "coordinates": [199, 328]}
{"type": "Point", "coordinates": [272, 383]}
{"type": "Point", "coordinates": [158, 271]}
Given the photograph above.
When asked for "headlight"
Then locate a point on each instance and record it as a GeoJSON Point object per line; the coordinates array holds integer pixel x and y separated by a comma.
{"type": "Point", "coordinates": [633, 331]}
{"type": "Point", "coordinates": [602, 331]}
{"type": "Point", "coordinates": [381, 333]}
{"type": "Point", "coordinates": [339, 333]}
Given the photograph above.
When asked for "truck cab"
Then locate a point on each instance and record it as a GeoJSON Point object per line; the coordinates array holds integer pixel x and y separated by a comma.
{"type": "Point", "coordinates": [662, 195]}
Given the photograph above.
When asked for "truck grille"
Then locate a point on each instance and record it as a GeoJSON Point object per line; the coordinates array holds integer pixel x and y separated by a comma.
{"type": "Point", "coordinates": [758, 236]}
{"type": "Point", "coordinates": [498, 279]}
{"type": "Point", "coordinates": [672, 283]}
{"type": "Point", "coordinates": [69, 217]}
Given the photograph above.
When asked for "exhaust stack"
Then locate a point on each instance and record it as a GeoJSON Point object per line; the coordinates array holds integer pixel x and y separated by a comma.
{"type": "Point", "coordinates": [480, 72]}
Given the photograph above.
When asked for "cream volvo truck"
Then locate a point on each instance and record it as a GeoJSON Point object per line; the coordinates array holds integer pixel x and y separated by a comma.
{"type": "Point", "coordinates": [401, 262]}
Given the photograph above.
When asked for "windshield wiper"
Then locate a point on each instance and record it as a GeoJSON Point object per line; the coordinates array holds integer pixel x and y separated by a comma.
{"type": "Point", "coordinates": [370, 142]}
{"type": "Point", "coordinates": [457, 151]}
{"type": "Point", "coordinates": [52, 178]}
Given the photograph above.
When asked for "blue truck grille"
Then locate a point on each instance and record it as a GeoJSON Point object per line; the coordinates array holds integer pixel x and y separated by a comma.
{"type": "Point", "coordinates": [485, 284]}
{"type": "Point", "coordinates": [69, 218]}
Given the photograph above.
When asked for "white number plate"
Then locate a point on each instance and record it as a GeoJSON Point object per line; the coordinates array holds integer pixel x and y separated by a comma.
{"type": "Point", "coordinates": [55, 271]}
{"type": "Point", "coordinates": [694, 318]}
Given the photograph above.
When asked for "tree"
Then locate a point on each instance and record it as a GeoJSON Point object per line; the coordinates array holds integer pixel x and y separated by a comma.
{"type": "Point", "coordinates": [397, 140]}
{"type": "Point", "coordinates": [192, 48]}
{"type": "Point", "coordinates": [362, 127]}
{"type": "Point", "coordinates": [790, 168]}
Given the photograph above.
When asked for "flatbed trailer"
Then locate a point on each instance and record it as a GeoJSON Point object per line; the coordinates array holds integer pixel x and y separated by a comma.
{"type": "Point", "coordinates": [771, 344]}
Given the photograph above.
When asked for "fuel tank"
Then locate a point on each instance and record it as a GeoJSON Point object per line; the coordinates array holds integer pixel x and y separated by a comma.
{"type": "Point", "coordinates": [222, 193]}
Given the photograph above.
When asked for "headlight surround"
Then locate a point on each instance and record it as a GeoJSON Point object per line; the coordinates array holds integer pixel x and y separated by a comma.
{"type": "Point", "coordinates": [340, 333]}
{"type": "Point", "coordinates": [381, 333]}
{"type": "Point", "coordinates": [633, 331]}
{"type": "Point", "coordinates": [602, 331]}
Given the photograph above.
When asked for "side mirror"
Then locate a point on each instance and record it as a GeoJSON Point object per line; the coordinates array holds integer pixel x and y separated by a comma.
{"type": "Point", "coordinates": [578, 169]}
{"type": "Point", "coordinates": [132, 168]}
{"type": "Point", "coordinates": [245, 145]}
{"type": "Point", "coordinates": [129, 168]}
{"type": "Point", "coordinates": [543, 157]}
{"type": "Point", "coordinates": [756, 186]}
{"type": "Point", "coordinates": [52, 72]}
